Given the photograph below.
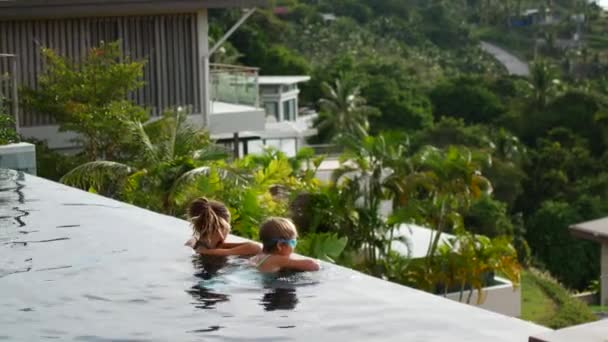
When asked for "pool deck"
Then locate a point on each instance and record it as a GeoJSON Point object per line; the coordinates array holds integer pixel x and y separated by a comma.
{"type": "Point", "coordinates": [592, 332]}
{"type": "Point", "coordinates": [78, 266]}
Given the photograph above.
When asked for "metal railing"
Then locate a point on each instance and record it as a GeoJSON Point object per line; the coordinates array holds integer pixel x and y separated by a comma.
{"type": "Point", "coordinates": [9, 96]}
{"type": "Point", "coordinates": [234, 84]}
{"type": "Point", "coordinates": [330, 150]}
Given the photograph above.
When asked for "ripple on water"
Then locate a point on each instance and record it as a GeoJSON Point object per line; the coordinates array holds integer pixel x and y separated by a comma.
{"type": "Point", "coordinates": [12, 219]}
{"type": "Point", "coordinates": [221, 279]}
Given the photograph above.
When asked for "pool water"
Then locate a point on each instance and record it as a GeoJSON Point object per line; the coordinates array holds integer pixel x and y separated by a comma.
{"type": "Point", "coordinates": [80, 267]}
{"type": "Point", "coordinates": [219, 277]}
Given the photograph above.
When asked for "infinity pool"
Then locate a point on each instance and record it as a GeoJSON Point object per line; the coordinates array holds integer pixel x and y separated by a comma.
{"type": "Point", "coordinates": [80, 267]}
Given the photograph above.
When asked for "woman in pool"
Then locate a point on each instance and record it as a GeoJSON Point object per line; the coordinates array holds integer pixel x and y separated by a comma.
{"type": "Point", "coordinates": [211, 226]}
{"type": "Point", "coordinates": [279, 236]}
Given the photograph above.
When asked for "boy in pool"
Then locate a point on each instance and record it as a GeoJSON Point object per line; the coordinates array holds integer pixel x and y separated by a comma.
{"type": "Point", "coordinates": [210, 228]}
{"type": "Point", "coordinates": [279, 236]}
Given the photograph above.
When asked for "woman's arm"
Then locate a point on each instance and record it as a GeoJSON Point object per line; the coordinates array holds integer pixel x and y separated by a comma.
{"type": "Point", "coordinates": [190, 243]}
{"type": "Point", "coordinates": [232, 244]}
{"type": "Point", "coordinates": [246, 248]}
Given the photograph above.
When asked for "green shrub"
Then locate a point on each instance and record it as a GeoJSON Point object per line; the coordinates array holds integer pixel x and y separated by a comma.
{"type": "Point", "coordinates": [488, 217]}
{"type": "Point", "coordinates": [52, 164]}
{"type": "Point", "coordinates": [7, 126]}
{"type": "Point", "coordinates": [572, 261]}
{"type": "Point", "coordinates": [90, 97]}
{"type": "Point", "coordinates": [468, 99]}
{"type": "Point", "coordinates": [570, 311]}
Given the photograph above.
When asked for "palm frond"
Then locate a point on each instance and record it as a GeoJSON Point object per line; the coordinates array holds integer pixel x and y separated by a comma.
{"type": "Point", "coordinates": [149, 151]}
{"type": "Point", "coordinates": [187, 178]}
{"type": "Point", "coordinates": [211, 152]}
{"type": "Point", "coordinates": [105, 177]}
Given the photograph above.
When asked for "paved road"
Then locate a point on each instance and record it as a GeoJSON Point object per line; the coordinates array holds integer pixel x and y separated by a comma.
{"type": "Point", "coordinates": [514, 65]}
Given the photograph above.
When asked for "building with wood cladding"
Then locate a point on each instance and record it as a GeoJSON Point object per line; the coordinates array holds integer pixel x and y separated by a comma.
{"type": "Point", "coordinates": [172, 36]}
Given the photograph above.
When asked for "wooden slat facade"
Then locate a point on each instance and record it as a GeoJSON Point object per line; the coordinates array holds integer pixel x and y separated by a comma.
{"type": "Point", "coordinates": [167, 42]}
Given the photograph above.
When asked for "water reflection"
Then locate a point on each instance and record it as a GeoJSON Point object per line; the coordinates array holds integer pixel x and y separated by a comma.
{"type": "Point", "coordinates": [207, 267]}
{"type": "Point", "coordinates": [280, 299]}
{"type": "Point", "coordinates": [12, 218]}
{"type": "Point", "coordinates": [280, 291]}
{"type": "Point", "coordinates": [219, 278]}
{"type": "Point", "coordinates": [205, 298]}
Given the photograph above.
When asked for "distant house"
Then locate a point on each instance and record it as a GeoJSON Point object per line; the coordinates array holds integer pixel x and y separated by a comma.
{"type": "Point", "coordinates": [286, 126]}
{"type": "Point", "coordinates": [533, 16]}
{"type": "Point", "coordinates": [172, 35]}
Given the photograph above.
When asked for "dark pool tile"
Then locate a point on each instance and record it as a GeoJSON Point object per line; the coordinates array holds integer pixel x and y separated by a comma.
{"type": "Point", "coordinates": [210, 329]}
{"type": "Point", "coordinates": [53, 268]}
{"type": "Point", "coordinates": [98, 298]}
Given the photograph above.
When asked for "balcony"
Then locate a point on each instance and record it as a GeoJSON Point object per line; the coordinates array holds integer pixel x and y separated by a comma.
{"type": "Point", "coordinates": [234, 103]}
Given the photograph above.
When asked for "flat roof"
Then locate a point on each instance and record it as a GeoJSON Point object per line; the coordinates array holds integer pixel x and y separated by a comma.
{"type": "Point", "coordinates": [282, 80]}
{"type": "Point", "coordinates": [79, 266]}
{"type": "Point", "coordinates": [418, 240]}
{"type": "Point", "coordinates": [38, 9]}
{"type": "Point", "coordinates": [219, 108]}
{"type": "Point", "coordinates": [596, 230]}
{"type": "Point", "coordinates": [591, 332]}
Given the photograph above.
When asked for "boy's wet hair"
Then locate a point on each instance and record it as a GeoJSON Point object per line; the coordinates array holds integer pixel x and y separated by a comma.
{"type": "Point", "coordinates": [276, 228]}
{"type": "Point", "coordinates": [208, 218]}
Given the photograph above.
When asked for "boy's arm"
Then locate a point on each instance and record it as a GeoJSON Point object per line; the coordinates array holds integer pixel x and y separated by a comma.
{"type": "Point", "coordinates": [247, 248]}
{"type": "Point", "coordinates": [299, 264]}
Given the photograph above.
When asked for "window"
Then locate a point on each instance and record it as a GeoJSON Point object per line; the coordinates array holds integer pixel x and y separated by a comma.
{"type": "Point", "coordinates": [269, 89]}
{"type": "Point", "coordinates": [288, 88]}
{"type": "Point", "coordinates": [289, 110]}
{"type": "Point", "coordinates": [272, 110]}
{"type": "Point", "coordinates": [287, 146]}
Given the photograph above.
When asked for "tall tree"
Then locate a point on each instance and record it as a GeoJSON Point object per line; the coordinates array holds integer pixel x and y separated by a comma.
{"type": "Point", "coordinates": [543, 81]}
{"type": "Point", "coordinates": [90, 97]}
{"type": "Point", "coordinates": [343, 110]}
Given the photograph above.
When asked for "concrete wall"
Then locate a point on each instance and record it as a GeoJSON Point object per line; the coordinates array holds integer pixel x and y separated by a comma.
{"type": "Point", "coordinates": [232, 122]}
{"type": "Point", "coordinates": [168, 43]}
{"type": "Point", "coordinates": [20, 157]}
{"type": "Point", "coordinates": [503, 298]}
{"type": "Point", "coordinates": [220, 123]}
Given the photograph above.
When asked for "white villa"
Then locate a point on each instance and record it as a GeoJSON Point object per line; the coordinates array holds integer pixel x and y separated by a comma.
{"type": "Point", "coordinates": [286, 126]}
{"type": "Point", "coordinates": [171, 35]}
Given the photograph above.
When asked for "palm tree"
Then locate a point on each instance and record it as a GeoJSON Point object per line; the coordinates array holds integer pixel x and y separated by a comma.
{"type": "Point", "coordinates": [543, 82]}
{"type": "Point", "coordinates": [170, 152]}
{"type": "Point", "coordinates": [343, 109]}
{"type": "Point", "coordinates": [372, 172]}
{"type": "Point", "coordinates": [449, 179]}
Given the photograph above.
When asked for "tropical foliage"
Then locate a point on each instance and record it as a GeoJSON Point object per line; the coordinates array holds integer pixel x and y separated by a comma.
{"type": "Point", "coordinates": [434, 132]}
{"type": "Point", "coordinates": [168, 151]}
{"type": "Point", "coordinates": [343, 110]}
{"type": "Point", "coordinates": [7, 127]}
{"type": "Point", "coordinates": [90, 97]}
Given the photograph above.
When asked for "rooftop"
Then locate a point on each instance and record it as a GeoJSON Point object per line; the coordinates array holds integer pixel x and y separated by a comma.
{"type": "Point", "coordinates": [418, 240]}
{"type": "Point", "coordinates": [592, 332]}
{"type": "Point", "coordinates": [34, 9]}
{"type": "Point", "coordinates": [78, 266]}
{"type": "Point", "coordinates": [300, 128]}
{"type": "Point", "coordinates": [596, 230]}
{"type": "Point", "coordinates": [282, 80]}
